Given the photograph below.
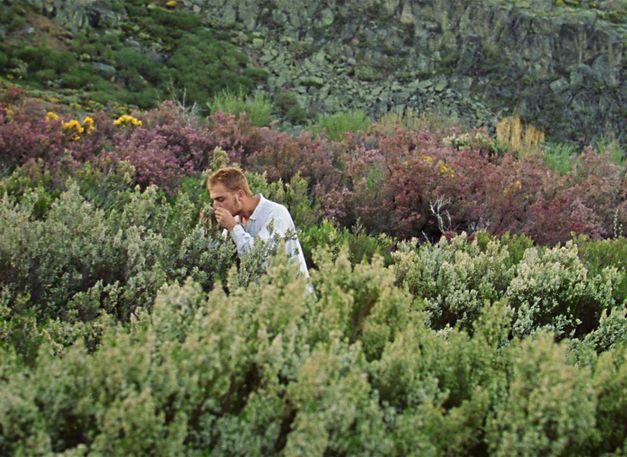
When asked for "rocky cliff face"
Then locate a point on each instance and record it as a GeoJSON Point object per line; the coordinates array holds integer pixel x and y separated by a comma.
{"type": "Point", "coordinates": [559, 68]}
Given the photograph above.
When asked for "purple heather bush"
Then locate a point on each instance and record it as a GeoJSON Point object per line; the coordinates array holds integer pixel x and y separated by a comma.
{"type": "Point", "coordinates": [403, 182]}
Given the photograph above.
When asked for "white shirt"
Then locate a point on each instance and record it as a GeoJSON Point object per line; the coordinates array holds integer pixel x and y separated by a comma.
{"type": "Point", "coordinates": [267, 214]}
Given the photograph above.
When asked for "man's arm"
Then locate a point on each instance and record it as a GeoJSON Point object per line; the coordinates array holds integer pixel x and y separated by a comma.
{"type": "Point", "coordinates": [245, 242]}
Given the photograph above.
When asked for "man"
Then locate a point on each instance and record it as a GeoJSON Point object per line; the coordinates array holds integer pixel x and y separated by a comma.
{"type": "Point", "coordinates": [249, 217]}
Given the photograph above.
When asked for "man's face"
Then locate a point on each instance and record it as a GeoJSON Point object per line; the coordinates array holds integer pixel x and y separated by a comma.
{"type": "Point", "coordinates": [223, 198]}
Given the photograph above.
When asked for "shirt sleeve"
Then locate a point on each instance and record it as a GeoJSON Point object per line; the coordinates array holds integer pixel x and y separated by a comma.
{"type": "Point", "coordinates": [278, 224]}
{"type": "Point", "coordinates": [243, 241]}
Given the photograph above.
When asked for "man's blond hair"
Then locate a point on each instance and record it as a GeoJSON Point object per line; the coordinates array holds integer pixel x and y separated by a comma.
{"type": "Point", "coordinates": [230, 177]}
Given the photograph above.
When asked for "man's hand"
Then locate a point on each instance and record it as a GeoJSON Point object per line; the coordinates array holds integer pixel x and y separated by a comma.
{"type": "Point", "coordinates": [225, 218]}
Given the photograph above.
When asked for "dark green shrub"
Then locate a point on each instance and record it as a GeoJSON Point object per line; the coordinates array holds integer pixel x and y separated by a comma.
{"type": "Point", "coordinates": [202, 67]}
{"type": "Point", "coordinates": [12, 16]}
{"type": "Point", "coordinates": [549, 408]}
{"type": "Point", "coordinates": [361, 246]}
{"type": "Point", "coordinates": [599, 254]}
{"type": "Point", "coordinates": [610, 382]}
{"type": "Point", "coordinates": [78, 78]}
{"type": "Point", "coordinates": [289, 107]}
{"type": "Point", "coordinates": [4, 60]}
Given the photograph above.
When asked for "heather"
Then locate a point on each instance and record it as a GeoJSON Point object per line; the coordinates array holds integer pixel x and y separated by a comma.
{"type": "Point", "coordinates": [406, 181]}
{"type": "Point", "coordinates": [453, 312]}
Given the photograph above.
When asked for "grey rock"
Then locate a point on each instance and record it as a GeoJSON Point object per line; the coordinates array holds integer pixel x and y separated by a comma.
{"type": "Point", "coordinates": [107, 71]}
{"type": "Point", "coordinates": [327, 17]}
{"type": "Point", "coordinates": [314, 81]}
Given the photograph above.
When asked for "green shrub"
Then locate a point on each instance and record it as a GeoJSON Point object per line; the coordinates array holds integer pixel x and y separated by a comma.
{"type": "Point", "coordinates": [546, 288]}
{"type": "Point", "coordinates": [258, 109]}
{"type": "Point", "coordinates": [78, 260]}
{"type": "Point", "coordinates": [12, 16]}
{"type": "Point", "coordinates": [455, 279]}
{"type": "Point", "coordinates": [610, 382]}
{"type": "Point", "coordinates": [360, 245]}
{"type": "Point", "coordinates": [4, 60]}
{"type": "Point", "coordinates": [267, 368]}
{"type": "Point", "coordinates": [202, 65]}
{"type": "Point", "coordinates": [612, 148]}
{"type": "Point", "coordinates": [552, 289]}
{"type": "Point", "coordinates": [549, 408]}
{"type": "Point", "coordinates": [336, 125]}
{"type": "Point", "coordinates": [289, 107]}
{"type": "Point", "coordinates": [559, 157]}
{"type": "Point", "coordinates": [599, 254]}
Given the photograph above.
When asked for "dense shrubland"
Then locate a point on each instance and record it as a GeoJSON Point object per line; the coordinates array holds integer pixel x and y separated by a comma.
{"type": "Point", "coordinates": [454, 313]}
{"type": "Point", "coordinates": [406, 182]}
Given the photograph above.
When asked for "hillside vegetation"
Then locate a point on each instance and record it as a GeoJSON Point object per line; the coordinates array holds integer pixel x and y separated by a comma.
{"type": "Point", "coordinates": [468, 284]}
{"type": "Point", "coordinates": [129, 327]}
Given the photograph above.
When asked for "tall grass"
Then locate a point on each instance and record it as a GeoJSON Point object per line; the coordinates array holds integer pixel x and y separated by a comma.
{"type": "Point", "coordinates": [258, 108]}
{"type": "Point", "coordinates": [336, 125]}
{"type": "Point", "coordinates": [612, 148]}
{"type": "Point", "coordinates": [559, 157]}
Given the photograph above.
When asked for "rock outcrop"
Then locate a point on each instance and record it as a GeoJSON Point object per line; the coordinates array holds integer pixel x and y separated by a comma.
{"type": "Point", "coordinates": [559, 68]}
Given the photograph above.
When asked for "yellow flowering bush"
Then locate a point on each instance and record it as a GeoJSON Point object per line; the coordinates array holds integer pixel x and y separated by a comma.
{"type": "Point", "coordinates": [8, 112]}
{"type": "Point", "coordinates": [445, 170]}
{"type": "Point", "coordinates": [426, 158]}
{"type": "Point", "coordinates": [127, 119]}
{"type": "Point", "coordinates": [73, 128]}
{"type": "Point", "coordinates": [52, 116]}
{"type": "Point", "coordinates": [88, 124]}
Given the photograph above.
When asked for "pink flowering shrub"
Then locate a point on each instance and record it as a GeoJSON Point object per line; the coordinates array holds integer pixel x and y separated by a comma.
{"type": "Point", "coordinates": [402, 182]}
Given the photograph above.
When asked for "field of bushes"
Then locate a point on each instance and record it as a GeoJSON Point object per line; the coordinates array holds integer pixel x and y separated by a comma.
{"type": "Point", "coordinates": [469, 297]}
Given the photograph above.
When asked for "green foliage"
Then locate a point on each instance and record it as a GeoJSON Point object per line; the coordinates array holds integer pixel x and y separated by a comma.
{"type": "Point", "coordinates": [559, 157]}
{"type": "Point", "coordinates": [289, 107]}
{"type": "Point", "coordinates": [549, 408]}
{"type": "Point", "coordinates": [258, 108]}
{"type": "Point", "coordinates": [269, 369]}
{"type": "Point", "coordinates": [76, 260]}
{"type": "Point", "coordinates": [545, 288]}
{"type": "Point", "coordinates": [336, 125]}
{"type": "Point", "coordinates": [360, 245]}
{"type": "Point", "coordinates": [103, 66]}
{"type": "Point", "coordinates": [12, 16]}
{"type": "Point", "coordinates": [600, 254]}
{"type": "Point", "coordinates": [128, 328]}
{"type": "Point", "coordinates": [294, 195]}
{"type": "Point", "coordinates": [455, 279]}
{"type": "Point", "coordinates": [612, 148]}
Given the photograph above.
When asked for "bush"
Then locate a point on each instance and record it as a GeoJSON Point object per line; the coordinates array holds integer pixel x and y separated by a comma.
{"type": "Point", "coordinates": [546, 288]}
{"type": "Point", "coordinates": [549, 408]}
{"type": "Point", "coordinates": [258, 109]}
{"type": "Point", "coordinates": [78, 260]}
{"type": "Point", "coordinates": [335, 126]}
{"type": "Point", "coordinates": [273, 369]}
{"type": "Point", "coordinates": [559, 157]}
{"type": "Point", "coordinates": [600, 254]}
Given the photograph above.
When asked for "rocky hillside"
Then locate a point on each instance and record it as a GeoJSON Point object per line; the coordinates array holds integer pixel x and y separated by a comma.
{"type": "Point", "coordinates": [559, 67]}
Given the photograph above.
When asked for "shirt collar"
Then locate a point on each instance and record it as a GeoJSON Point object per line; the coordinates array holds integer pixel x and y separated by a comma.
{"type": "Point", "coordinates": [258, 208]}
